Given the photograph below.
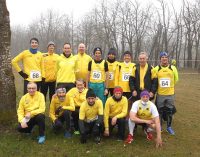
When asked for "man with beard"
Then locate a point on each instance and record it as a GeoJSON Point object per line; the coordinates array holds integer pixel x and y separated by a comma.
{"type": "Point", "coordinates": [60, 111]}
{"type": "Point", "coordinates": [91, 117]}
{"type": "Point", "coordinates": [115, 113]}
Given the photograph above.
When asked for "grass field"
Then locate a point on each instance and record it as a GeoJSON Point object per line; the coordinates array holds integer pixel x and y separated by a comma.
{"type": "Point", "coordinates": [185, 143]}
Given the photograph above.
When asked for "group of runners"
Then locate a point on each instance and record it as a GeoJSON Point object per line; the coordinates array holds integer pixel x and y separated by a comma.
{"type": "Point", "coordinates": [90, 95]}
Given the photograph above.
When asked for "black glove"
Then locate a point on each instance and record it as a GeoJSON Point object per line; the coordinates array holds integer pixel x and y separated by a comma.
{"type": "Point", "coordinates": [24, 75]}
{"type": "Point", "coordinates": [83, 138]}
{"type": "Point", "coordinates": [43, 80]}
{"type": "Point", "coordinates": [58, 110]}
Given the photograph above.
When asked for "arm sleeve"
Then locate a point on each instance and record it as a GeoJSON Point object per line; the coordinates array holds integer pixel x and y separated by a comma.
{"type": "Point", "coordinates": [132, 83]}
{"type": "Point", "coordinates": [70, 107]}
{"type": "Point", "coordinates": [16, 60]}
{"type": "Point", "coordinates": [106, 114]}
{"type": "Point", "coordinates": [124, 109]}
{"type": "Point", "coordinates": [82, 112]}
{"type": "Point", "coordinates": [106, 66]}
{"type": "Point", "coordinates": [176, 77]}
{"type": "Point", "coordinates": [20, 110]}
{"type": "Point", "coordinates": [154, 81]}
{"type": "Point", "coordinates": [42, 67]}
{"type": "Point", "coordinates": [89, 66]}
{"type": "Point", "coordinates": [41, 108]}
{"type": "Point", "coordinates": [52, 110]}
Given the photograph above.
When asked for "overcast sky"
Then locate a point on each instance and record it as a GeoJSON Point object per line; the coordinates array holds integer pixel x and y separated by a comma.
{"type": "Point", "coordinates": [24, 11]}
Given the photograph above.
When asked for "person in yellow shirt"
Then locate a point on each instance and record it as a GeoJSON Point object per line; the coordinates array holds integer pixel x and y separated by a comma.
{"type": "Point", "coordinates": [143, 78]}
{"type": "Point", "coordinates": [123, 72]}
{"type": "Point", "coordinates": [91, 117]}
{"type": "Point", "coordinates": [82, 60]}
{"type": "Point", "coordinates": [78, 94]}
{"type": "Point", "coordinates": [31, 112]}
{"type": "Point", "coordinates": [60, 111]}
{"type": "Point", "coordinates": [32, 64]}
{"type": "Point", "coordinates": [112, 66]}
{"type": "Point", "coordinates": [145, 113]}
{"type": "Point", "coordinates": [167, 78]}
{"type": "Point", "coordinates": [49, 61]}
{"type": "Point", "coordinates": [98, 75]}
{"type": "Point", "coordinates": [115, 113]}
{"type": "Point", "coordinates": [66, 68]}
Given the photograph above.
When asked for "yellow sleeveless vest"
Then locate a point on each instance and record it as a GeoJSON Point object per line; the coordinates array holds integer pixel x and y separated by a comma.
{"type": "Point", "coordinates": [97, 74]}
{"type": "Point", "coordinates": [144, 113]}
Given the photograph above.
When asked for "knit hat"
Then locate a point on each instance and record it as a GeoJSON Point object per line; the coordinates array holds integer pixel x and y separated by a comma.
{"type": "Point", "coordinates": [144, 93]}
{"type": "Point", "coordinates": [90, 93]}
{"type": "Point", "coordinates": [163, 53]}
{"type": "Point", "coordinates": [112, 51]}
{"type": "Point", "coordinates": [118, 89]}
{"type": "Point", "coordinates": [97, 49]}
{"type": "Point", "coordinates": [50, 43]}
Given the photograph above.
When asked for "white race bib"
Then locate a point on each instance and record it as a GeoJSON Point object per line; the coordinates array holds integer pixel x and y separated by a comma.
{"type": "Point", "coordinates": [96, 75]}
{"type": "Point", "coordinates": [111, 76]}
{"type": "Point", "coordinates": [125, 76]}
{"type": "Point", "coordinates": [164, 82]}
{"type": "Point", "coordinates": [34, 74]}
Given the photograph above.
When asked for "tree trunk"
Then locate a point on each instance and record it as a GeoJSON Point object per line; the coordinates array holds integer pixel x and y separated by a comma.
{"type": "Point", "coordinates": [7, 86]}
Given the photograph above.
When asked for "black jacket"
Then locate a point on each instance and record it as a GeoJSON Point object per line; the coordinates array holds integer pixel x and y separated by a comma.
{"type": "Point", "coordinates": [149, 84]}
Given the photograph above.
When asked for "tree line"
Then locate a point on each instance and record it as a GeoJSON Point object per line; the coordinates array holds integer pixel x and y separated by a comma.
{"type": "Point", "coordinates": [124, 25]}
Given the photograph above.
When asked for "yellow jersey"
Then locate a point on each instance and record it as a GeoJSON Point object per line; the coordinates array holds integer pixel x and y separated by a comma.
{"type": "Point", "coordinates": [32, 65]}
{"type": "Point", "coordinates": [33, 104]}
{"type": "Point", "coordinates": [89, 113]}
{"type": "Point", "coordinates": [115, 109]}
{"type": "Point", "coordinates": [123, 72]}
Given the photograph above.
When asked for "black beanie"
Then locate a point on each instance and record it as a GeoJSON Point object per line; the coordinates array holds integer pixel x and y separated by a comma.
{"type": "Point", "coordinates": [112, 51]}
{"type": "Point", "coordinates": [97, 49]}
{"type": "Point", "coordinates": [90, 93]}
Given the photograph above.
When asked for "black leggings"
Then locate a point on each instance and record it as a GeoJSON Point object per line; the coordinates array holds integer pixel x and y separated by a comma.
{"type": "Point", "coordinates": [36, 120]}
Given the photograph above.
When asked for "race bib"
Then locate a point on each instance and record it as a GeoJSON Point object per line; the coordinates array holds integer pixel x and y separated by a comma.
{"type": "Point", "coordinates": [164, 82]}
{"type": "Point", "coordinates": [111, 76]}
{"type": "Point", "coordinates": [96, 75]}
{"type": "Point", "coordinates": [35, 74]}
{"type": "Point", "coordinates": [125, 76]}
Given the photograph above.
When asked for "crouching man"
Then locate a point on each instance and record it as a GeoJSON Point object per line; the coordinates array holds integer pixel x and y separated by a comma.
{"type": "Point", "coordinates": [145, 113]}
{"type": "Point", "coordinates": [31, 112]}
{"type": "Point", "coordinates": [91, 117]}
{"type": "Point", "coordinates": [115, 113]}
{"type": "Point", "coordinates": [60, 111]}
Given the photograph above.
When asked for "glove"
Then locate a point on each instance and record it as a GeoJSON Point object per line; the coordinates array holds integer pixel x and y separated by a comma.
{"type": "Point", "coordinates": [58, 110]}
{"type": "Point", "coordinates": [24, 75]}
{"type": "Point", "coordinates": [83, 138]}
{"type": "Point", "coordinates": [43, 80]}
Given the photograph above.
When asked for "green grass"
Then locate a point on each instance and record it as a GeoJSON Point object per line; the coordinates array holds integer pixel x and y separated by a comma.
{"type": "Point", "coordinates": [184, 144]}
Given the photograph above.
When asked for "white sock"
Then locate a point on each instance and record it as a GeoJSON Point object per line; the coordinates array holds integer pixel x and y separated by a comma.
{"type": "Point", "coordinates": [131, 126]}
